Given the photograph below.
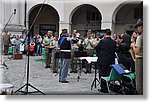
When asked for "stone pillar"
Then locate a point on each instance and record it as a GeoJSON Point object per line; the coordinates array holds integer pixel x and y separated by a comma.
{"type": "Point", "coordinates": [106, 25]}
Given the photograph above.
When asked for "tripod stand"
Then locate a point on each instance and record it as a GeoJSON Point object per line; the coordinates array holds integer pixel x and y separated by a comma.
{"type": "Point", "coordinates": [95, 79]}
{"type": "Point", "coordinates": [28, 84]}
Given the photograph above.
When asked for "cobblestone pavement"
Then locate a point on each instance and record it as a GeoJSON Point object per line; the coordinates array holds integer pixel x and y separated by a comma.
{"type": "Point", "coordinates": [44, 80]}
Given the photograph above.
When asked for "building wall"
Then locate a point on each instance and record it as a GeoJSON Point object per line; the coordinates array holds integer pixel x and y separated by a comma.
{"type": "Point", "coordinates": [65, 9]}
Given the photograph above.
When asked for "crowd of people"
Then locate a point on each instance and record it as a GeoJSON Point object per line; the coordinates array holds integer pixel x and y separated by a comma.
{"type": "Point", "coordinates": [128, 48]}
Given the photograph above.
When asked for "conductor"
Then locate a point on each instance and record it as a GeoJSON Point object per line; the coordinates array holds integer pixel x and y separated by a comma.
{"type": "Point", "coordinates": [106, 56]}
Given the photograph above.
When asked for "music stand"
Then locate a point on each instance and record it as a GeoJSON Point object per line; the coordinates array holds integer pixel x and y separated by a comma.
{"type": "Point", "coordinates": [95, 78]}
{"type": "Point", "coordinates": [57, 56]}
{"type": "Point", "coordinates": [78, 55]}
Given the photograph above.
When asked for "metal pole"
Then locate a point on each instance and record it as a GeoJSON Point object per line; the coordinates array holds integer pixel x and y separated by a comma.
{"type": "Point", "coordinates": [25, 13]}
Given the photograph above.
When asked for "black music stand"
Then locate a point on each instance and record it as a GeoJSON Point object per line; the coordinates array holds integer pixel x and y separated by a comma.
{"type": "Point", "coordinates": [79, 54]}
{"type": "Point", "coordinates": [95, 78]}
{"type": "Point", "coordinates": [57, 55]}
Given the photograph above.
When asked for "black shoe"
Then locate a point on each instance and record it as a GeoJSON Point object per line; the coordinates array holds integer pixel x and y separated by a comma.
{"type": "Point", "coordinates": [75, 71]}
{"type": "Point", "coordinates": [54, 71]}
{"type": "Point", "coordinates": [64, 81]}
{"type": "Point", "coordinates": [47, 67]}
{"type": "Point", "coordinates": [103, 90]}
{"type": "Point", "coordinates": [71, 71]}
{"type": "Point", "coordinates": [88, 72]}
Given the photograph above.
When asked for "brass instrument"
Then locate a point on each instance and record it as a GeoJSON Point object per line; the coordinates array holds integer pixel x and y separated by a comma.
{"type": "Point", "coordinates": [131, 49]}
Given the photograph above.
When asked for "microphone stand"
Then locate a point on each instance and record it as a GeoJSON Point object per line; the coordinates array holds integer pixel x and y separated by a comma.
{"type": "Point", "coordinates": [27, 83]}
{"type": "Point", "coordinates": [11, 16]}
{"type": "Point", "coordinates": [9, 20]}
{"type": "Point", "coordinates": [26, 86]}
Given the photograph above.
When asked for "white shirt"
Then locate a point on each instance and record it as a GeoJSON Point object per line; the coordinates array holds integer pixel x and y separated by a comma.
{"type": "Point", "coordinates": [87, 44]}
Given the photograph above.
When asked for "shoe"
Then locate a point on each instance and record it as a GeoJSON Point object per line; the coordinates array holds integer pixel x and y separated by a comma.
{"type": "Point", "coordinates": [71, 71]}
{"type": "Point", "coordinates": [103, 90]}
{"type": "Point", "coordinates": [47, 67]}
{"type": "Point", "coordinates": [54, 71]}
{"type": "Point", "coordinates": [88, 72]}
{"type": "Point", "coordinates": [64, 81]}
{"type": "Point", "coordinates": [75, 71]}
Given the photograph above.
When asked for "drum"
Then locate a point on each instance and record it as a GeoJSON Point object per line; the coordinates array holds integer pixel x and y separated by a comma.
{"type": "Point", "coordinates": [6, 89]}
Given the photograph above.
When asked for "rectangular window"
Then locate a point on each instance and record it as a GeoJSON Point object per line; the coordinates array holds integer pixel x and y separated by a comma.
{"type": "Point", "coordinates": [88, 15]}
{"type": "Point", "coordinates": [46, 27]}
{"type": "Point", "coordinates": [92, 16]}
{"type": "Point", "coordinates": [136, 13]}
{"type": "Point", "coordinates": [97, 16]}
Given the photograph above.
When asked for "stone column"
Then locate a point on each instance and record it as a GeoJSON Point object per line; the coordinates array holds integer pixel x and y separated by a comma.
{"type": "Point", "coordinates": [106, 25]}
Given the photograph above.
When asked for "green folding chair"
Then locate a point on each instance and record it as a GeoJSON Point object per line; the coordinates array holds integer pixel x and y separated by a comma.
{"type": "Point", "coordinates": [44, 56]}
{"type": "Point", "coordinates": [131, 77]}
{"type": "Point", "coordinates": [113, 76]}
{"type": "Point", "coordinates": [10, 50]}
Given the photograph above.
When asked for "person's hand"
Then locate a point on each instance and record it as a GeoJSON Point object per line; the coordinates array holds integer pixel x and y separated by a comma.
{"type": "Point", "coordinates": [132, 45]}
{"type": "Point", "coordinates": [89, 41]}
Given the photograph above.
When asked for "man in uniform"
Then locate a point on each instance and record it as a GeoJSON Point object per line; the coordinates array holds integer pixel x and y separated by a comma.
{"type": "Point", "coordinates": [6, 42]}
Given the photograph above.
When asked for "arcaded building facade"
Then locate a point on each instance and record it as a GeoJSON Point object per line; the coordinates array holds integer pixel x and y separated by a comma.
{"type": "Point", "coordinates": [39, 16]}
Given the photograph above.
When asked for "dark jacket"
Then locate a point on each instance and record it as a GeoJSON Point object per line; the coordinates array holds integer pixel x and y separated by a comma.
{"type": "Point", "coordinates": [66, 45]}
{"type": "Point", "coordinates": [106, 51]}
{"type": "Point", "coordinates": [125, 44]}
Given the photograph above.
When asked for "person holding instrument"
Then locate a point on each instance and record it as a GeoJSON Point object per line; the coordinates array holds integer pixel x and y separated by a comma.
{"type": "Point", "coordinates": [48, 48]}
{"type": "Point", "coordinates": [65, 55]}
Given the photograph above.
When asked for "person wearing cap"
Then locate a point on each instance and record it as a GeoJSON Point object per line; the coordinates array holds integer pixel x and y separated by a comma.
{"type": "Point", "coordinates": [48, 48]}
{"type": "Point", "coordinates": [97, 39]}
{"type": "Point", "coordinates": [6, 42]}
{"type": "Point", "coordinates": [65, 55]}
{"type": "Point", "coordinates": [89, 46]}
{"type": "Point", "coordinates": [138, 49]}
{"type": "Point", "coordinates": [55, 54]}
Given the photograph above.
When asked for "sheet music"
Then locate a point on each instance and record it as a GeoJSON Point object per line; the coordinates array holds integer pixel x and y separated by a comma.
{"type": "Point", "coordinates": [90, 59]}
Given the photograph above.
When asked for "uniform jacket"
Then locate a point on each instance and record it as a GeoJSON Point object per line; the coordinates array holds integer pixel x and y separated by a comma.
{"type": "Point", "coordinates": [66, 47]}
{"type": "Point", "coordinates": [106, 51]}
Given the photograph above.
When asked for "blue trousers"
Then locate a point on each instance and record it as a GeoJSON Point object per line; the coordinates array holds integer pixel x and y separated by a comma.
{"type": "Point", "coordinates": [64, 69]}
{"type": "Point", "coordinates": [39, 49]}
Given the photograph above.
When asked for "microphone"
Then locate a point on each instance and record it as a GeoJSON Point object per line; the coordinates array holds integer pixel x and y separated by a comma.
{"type": "Point", "coordinates": [14, 11]}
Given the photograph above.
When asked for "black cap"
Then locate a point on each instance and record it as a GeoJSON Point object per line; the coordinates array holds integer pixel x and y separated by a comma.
{"type": "Point", "coordinates": [139, 23]}
{"type": "Point", "coordinates": [64, 30]}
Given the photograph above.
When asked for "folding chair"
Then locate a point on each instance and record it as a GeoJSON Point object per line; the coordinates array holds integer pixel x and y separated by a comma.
{"type": "Point", "coordinates": [113, 76]}
{"type": "Point", "coordinates": [10, 50]}
{"type": "Point", "coordinates": [130, 84]}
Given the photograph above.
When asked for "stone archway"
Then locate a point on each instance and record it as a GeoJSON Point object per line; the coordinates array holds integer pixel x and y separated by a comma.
{"type": "Point", "coordinates": [125, 16]}
{"type": "Point", "coordinates": [85, 17]}
{"type": "Point", "coordinates": [48, 19]}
